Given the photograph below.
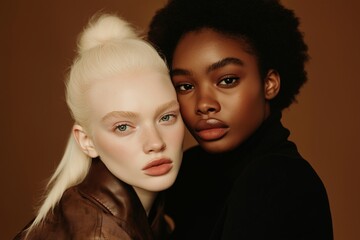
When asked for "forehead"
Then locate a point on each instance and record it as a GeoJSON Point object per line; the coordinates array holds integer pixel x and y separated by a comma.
{"type": "Point", "coordinates": [209, 34]}
{"type": "Point", "coordinates": [206, 46]}
{"type": "Point", "coordinates": [134, 91]}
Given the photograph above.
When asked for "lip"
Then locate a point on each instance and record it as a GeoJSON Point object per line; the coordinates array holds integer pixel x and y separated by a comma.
{"type": "Point", "coordinates": [158, 167]}
{"type": "Point", "coordinates": [211, 129]}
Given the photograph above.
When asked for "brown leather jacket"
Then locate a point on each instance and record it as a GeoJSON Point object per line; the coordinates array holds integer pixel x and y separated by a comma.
{"type": "Point", "coordinates": [101, 207]}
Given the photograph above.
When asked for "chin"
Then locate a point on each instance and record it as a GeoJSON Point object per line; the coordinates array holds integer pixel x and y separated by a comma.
{"type": "Point", "coordinates": [162, 184]}
{"type": "Point", "coordinates": [217, 147]}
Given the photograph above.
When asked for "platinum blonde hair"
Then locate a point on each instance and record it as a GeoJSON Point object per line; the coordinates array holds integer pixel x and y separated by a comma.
{"type": "Point", "coordinates": [107, 47]}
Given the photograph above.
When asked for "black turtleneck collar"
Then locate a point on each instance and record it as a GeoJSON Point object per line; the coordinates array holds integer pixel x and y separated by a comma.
{"type": "Point", "coordinates": [268, 136]}
{"type": "Point", "coordinates": [265, 137]}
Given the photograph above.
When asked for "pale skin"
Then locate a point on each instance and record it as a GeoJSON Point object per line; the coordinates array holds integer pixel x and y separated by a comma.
{"type": "Point", "coordinates": [135, 121]}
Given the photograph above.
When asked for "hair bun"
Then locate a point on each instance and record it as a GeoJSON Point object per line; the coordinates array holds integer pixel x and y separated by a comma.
{"type": "Point", "coordinates": [102, 29]}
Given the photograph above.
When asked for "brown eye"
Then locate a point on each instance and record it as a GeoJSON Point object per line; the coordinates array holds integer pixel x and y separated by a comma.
{"type": "Point", "coordinates": [228, 81]}
{"type": "Point", "coordinates": [184, 87]}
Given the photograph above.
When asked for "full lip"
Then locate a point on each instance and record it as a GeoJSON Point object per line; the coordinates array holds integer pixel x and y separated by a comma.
{"type": "Point", "coordinates": [210, 129]}
{"type": "Point", "coordinates": [158, 167]}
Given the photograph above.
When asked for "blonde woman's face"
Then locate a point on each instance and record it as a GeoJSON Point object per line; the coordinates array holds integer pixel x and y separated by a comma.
{"type": "Point", "coordinates": [137, 130]}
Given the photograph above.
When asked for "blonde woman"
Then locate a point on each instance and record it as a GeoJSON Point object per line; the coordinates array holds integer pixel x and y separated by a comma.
{"type": "Point", "coordinates": [125, 146]}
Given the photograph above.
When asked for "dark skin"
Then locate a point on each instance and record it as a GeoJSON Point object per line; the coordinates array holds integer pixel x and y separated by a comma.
{"type": "Point", "coordinates": [222, 96]}
{"type": "Point", "coordinates": [245, 180]}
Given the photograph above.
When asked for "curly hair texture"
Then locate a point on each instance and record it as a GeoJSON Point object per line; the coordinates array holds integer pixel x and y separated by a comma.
{"type": "Point", "coordinates": [270, 30]}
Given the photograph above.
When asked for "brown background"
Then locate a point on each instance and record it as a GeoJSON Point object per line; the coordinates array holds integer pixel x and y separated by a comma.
{"type": "Point", "coordinates": [37, 43]}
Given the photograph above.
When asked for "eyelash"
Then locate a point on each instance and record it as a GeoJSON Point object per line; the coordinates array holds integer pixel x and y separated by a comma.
{"type": "Point", "coordinates": [185, 87]}
{"type": "Point", "coordinates": [167, 118]}
{"type": "Point", "coordinates": [171, 115]}
{"type": "Point", "coordinates": [117, 128]}
{"type": "Point", "coordinates": [234, 81]}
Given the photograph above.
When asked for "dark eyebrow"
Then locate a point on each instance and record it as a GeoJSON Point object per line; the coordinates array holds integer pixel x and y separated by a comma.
{"type": "Point", "coordinates": [212, 67]}
{"type": "Point", "coordinates": [178, 71]}
{"type": "Point", "coordinates": [224, 62]}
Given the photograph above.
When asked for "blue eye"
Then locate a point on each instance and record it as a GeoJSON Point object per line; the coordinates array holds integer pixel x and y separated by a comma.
{"type": "Point", "coordinates": [122, 127]}
{"type": "Point", "coordinates": [167, 117]}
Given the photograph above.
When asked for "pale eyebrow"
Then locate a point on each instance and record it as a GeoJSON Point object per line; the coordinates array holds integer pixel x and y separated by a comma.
{"type": "Point", "coordinates": [119, 114]}
{"type": "Point", "coordinates": [212, 67]}
{"type": "Point", "coordinates": [133, 115]}
{"type": "Point", "coordinates": [166, 106]}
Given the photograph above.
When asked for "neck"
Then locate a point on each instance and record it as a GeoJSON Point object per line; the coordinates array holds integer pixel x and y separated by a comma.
{"type": "Point", "coordinates": [146, 198]}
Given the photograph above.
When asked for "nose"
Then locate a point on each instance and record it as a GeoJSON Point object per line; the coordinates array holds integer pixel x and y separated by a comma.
{"type": "Point", "coordinates": [206, 102]}
{"type": "Point", "coordinates": [153, 141]}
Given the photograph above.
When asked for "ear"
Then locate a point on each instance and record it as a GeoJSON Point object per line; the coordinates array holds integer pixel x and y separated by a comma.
{"type": "Point", "coordinates": [272, 84]}
{"type": "Point", "coordinates": [84, 141]}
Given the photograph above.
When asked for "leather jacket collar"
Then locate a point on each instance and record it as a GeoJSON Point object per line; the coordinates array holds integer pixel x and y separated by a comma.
{"type": "Point", "coordinates": [118, 198]}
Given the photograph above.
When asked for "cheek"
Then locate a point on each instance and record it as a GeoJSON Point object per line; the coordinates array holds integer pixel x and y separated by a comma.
{"type": "Point", "coordinates": [186, 108]}
{"type": "Point", "coordinates": [174, 142]}
{"type": "Point", "coordinates": [249, 113]}
{"type": "Point", "coordinates": [175, 136]}
{"type": "Point", "coordinates": [245, 109]}
{"type": "Point", "coordinates": [249, 99]}
{"type": "Point", "coordinates": [110, 148]}
{"type": "Point", "coordinates": [115, 154]}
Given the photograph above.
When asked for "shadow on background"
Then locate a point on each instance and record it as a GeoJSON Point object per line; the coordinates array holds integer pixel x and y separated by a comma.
{"type": "Point", "coordinates": [39, 45]}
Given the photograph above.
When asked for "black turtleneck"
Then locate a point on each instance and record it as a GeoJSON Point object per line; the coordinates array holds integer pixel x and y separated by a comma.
{"type": "Point", "coordinates": [235, 195]}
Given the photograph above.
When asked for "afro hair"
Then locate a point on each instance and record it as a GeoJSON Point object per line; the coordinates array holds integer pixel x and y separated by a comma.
{"type": "Point", "coordinates": [270, 29]}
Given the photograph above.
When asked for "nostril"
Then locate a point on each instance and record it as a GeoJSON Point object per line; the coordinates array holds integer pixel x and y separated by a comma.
{"type": "Point", "coordinates": [205, 109]}
{"type": "Point", "coordinates": [207, 103]}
